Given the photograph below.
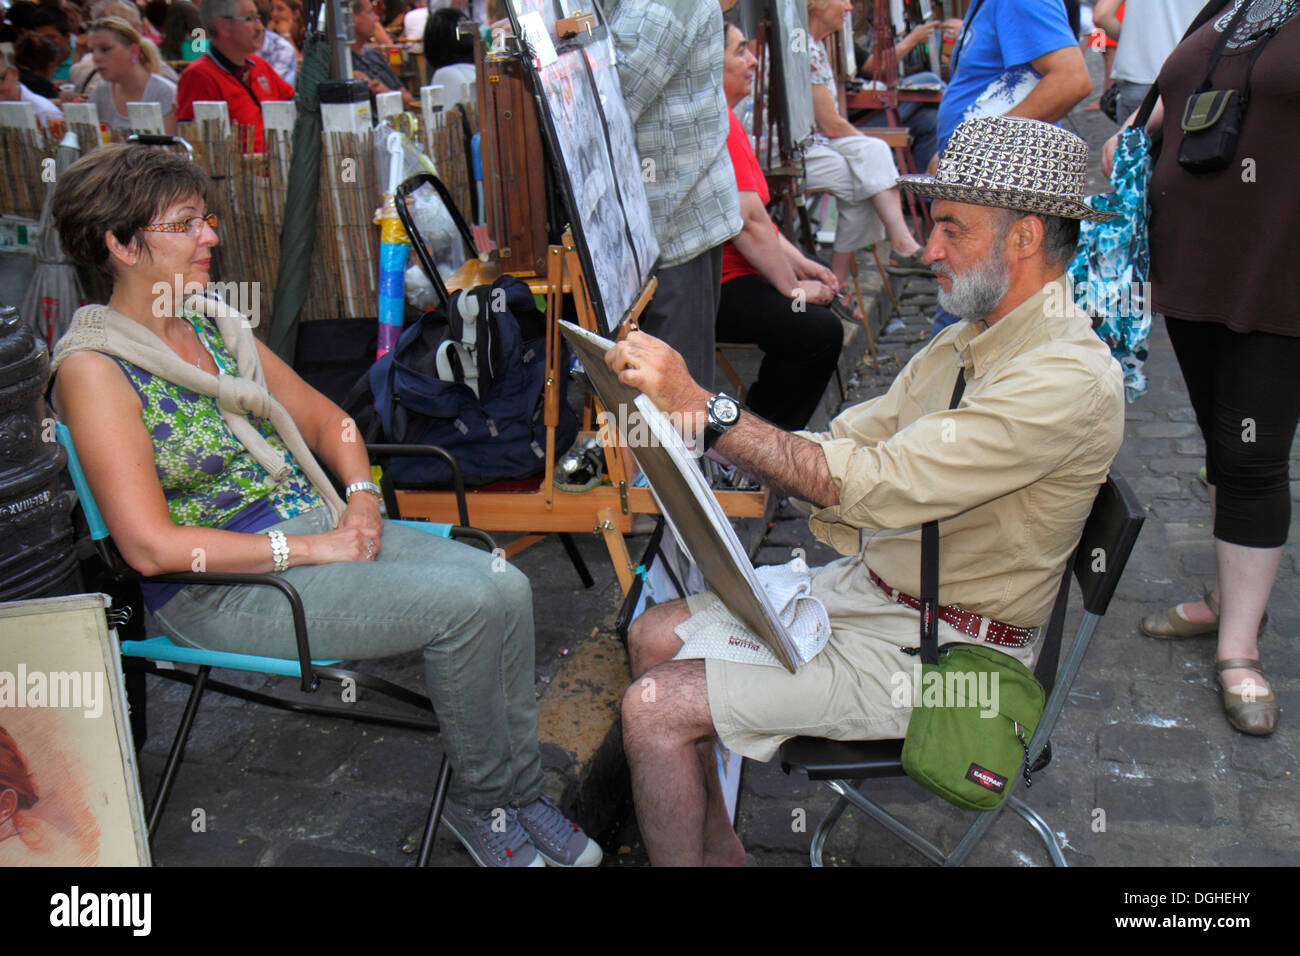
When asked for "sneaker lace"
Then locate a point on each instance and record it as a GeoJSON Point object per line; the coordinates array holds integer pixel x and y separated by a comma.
{"type": "Point", "coordinates": [555, 828]}
{"type": "Point", "coordinates": [501, 843]}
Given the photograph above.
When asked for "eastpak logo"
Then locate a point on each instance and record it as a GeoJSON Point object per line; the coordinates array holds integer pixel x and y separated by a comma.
{"type": "Point", "coordinates": [986, 778]}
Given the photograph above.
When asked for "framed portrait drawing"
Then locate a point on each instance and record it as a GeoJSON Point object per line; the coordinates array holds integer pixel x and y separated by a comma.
{"type": "Point", "coordinates": [69, 785]}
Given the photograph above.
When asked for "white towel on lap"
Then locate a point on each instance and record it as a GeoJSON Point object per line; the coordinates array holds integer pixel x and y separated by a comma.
{"type": "Point", "coordinates": [714, 632]}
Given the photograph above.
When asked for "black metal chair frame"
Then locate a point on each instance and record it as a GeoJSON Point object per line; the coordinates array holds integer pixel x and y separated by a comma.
{"type": "Point", "coordinates": [1109, 534]}
{"type": "Point", "coordinates": [421, 714]}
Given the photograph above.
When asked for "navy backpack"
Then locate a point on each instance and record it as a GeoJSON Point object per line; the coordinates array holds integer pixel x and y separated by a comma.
{"type": "Point", "coordinates": [471, 381]}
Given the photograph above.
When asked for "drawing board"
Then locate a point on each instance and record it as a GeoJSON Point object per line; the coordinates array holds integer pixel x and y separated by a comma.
{"type": "Point", "coordinates": [692, 511]}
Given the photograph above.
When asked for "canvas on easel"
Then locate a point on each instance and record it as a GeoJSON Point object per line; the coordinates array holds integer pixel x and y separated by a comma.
{"type": "Point", "coordinates": [792, 72]}
{"type": "Point", "coordinates": [593, 147]}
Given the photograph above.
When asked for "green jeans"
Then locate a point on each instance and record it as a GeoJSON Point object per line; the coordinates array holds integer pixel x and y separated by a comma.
{"type": "Point", "coordinates": [471, 613]}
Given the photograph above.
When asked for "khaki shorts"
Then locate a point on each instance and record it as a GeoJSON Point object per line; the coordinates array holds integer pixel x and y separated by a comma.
{"type": "Point", "coordinates": [855, 689]}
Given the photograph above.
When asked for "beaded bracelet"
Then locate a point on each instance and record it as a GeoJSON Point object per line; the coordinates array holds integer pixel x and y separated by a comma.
{"type": "Point", "coordinates": [279, 550]}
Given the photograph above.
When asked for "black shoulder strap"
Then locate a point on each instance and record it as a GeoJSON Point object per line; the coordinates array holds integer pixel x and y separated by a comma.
{"type": "Point", "coordinates": [1221, 43]}
{"type": "Point", "coordinates": [1208, 12]}
{"type": "Point", "coordinates": [930, 564]}
{"type": "Point", "coordinates": [1250, 67]}
{"type": "Point", "coordinates": [956, 47]}
{"type": "Point", "coordinates": [238, 79]}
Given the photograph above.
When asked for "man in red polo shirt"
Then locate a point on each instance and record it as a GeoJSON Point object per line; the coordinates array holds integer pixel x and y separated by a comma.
{"type": "Point", "coordinates": [230, 70]}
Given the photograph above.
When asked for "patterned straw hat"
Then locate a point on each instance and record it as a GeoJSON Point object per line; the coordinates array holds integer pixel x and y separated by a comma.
{"type": "Point", "coordinates": [1014, 163]}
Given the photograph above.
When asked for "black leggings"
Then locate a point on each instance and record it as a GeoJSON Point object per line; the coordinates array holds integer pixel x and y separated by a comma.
{"type": "Point", "coordinates": [1246, 396]}
{"type": "Point", "coordinates": [800, 349]}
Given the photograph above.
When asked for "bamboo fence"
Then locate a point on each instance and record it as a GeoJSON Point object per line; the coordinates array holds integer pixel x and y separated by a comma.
{"type": "Point", "coordinates": [444, 143]}
{"type": "Point", "coordinates": [248, 193]}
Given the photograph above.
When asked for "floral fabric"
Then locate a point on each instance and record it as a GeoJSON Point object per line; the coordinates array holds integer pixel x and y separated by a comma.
{"type": "Point", "coordinates": [1109, 272]}
{"type": "Point", "coordinates": [207, 476]}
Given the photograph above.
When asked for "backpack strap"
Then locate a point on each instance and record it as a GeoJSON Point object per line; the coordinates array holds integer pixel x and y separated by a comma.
{"type": "Point", "coordinates": [455, 359]}
{"type": "Point", "coordinates": [465, 356]}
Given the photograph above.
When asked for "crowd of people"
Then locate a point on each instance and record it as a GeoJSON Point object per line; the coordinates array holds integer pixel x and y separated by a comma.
{"type": "Point", "coordinates": [242, 52]}
{"type": "Point", "coordinates": [1038, 402]}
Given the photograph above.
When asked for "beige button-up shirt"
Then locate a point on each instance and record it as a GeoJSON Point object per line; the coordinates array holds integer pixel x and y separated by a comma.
{"type": "Point", "coordinates": [1010, 474]}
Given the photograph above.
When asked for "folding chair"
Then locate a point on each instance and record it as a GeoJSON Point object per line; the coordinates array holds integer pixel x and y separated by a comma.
{"type": "Point", "coordinates": [1098, 562]}
{"type": "Point", "coordinates": [158, 655]}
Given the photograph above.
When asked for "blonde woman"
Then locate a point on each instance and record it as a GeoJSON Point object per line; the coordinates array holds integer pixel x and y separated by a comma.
{"type": "Point", "coordinates": [129, 69]}
{"type": "Point", "coordinates": [83, 73]}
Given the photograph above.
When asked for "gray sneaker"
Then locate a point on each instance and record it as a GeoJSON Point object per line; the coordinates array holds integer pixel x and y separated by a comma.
{"type": "Point", "coordinates": [493, 837]}
{"type": "Point", "coordinates": [558, 839]}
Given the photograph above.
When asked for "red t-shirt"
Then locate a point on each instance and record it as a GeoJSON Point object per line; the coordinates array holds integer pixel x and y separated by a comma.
{"type": "Point", "coordinates": [205, 80]}
{"type": "Point", "coordinates": [749, 178]}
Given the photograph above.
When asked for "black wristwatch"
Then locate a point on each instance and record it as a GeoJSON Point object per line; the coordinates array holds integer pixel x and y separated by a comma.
{"type": "Point", "coordinates": [724, 412]}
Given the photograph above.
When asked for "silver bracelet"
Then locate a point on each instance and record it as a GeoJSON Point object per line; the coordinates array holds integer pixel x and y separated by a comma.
{"type": "Point", "coordinates": [279, 550]}
{"type": "Point", "coordinates": [362, 486]}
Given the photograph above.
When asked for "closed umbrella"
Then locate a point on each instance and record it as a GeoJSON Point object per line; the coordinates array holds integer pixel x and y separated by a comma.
{"type": "Point", "coordinates": [298, 234]}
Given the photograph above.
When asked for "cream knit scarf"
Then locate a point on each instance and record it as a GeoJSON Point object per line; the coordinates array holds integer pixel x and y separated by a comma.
{"type": "Point", "coordinates": [102, 329]}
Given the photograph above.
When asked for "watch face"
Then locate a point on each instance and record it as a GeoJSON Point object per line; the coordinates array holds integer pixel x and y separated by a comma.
{"type": "Point", "coordinates": [725, 409]}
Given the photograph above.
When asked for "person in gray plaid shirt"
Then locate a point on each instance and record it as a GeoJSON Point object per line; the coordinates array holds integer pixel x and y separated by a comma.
{"type": "Point", "coordinates": [670, 68]}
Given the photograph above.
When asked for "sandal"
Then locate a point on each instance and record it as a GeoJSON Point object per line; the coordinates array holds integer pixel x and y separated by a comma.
{"type": "Point", "coordinates": [1251, 712]}
{"type": "Point", "coordinates": [909, 265]}
{"type": "Point", "coordinates": [1172, 626]}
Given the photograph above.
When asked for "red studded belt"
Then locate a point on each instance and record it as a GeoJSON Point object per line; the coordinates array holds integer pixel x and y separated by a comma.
{"type": "Point", "coordinates": [967, 622]}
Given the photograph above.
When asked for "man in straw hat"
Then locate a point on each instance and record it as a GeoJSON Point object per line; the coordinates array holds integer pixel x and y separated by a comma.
{"type": "Point", "coordinates": [1010, 473]}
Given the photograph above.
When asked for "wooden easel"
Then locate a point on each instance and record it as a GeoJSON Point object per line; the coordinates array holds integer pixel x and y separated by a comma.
{"type": "Point", "coordinates": [538, 509]}
{"type": "Point", "coordinates": [528, 505]}
{"type": "Point", "coordinates": [887, 99]}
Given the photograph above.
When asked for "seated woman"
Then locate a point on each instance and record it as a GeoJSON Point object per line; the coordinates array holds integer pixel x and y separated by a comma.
{"type": "Point", "coordinates": [85, 76]}
{"type": "Point", "coordinates": [183, 476]}
{"type": "Point", "coordinates": [37, 59]}
{"type": "Point", "coordinates": [857, 169]}
{"type": "Point", "coordinates": [129, 71]}
{"type": "Point", "coordinates": [772, 294]}
{"type": "Point", "coordinates": [275, 49]}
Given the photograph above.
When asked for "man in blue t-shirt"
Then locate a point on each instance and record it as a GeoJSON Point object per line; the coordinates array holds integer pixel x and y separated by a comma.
{"type": "Point", "coordinates": [1013, 57]}
{"type": "Point", "coordinates": [1016, 57]}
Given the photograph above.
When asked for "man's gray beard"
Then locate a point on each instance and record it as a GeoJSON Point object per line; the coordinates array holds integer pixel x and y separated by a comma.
{"type": "Point", "coordinates": [976, 291]}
